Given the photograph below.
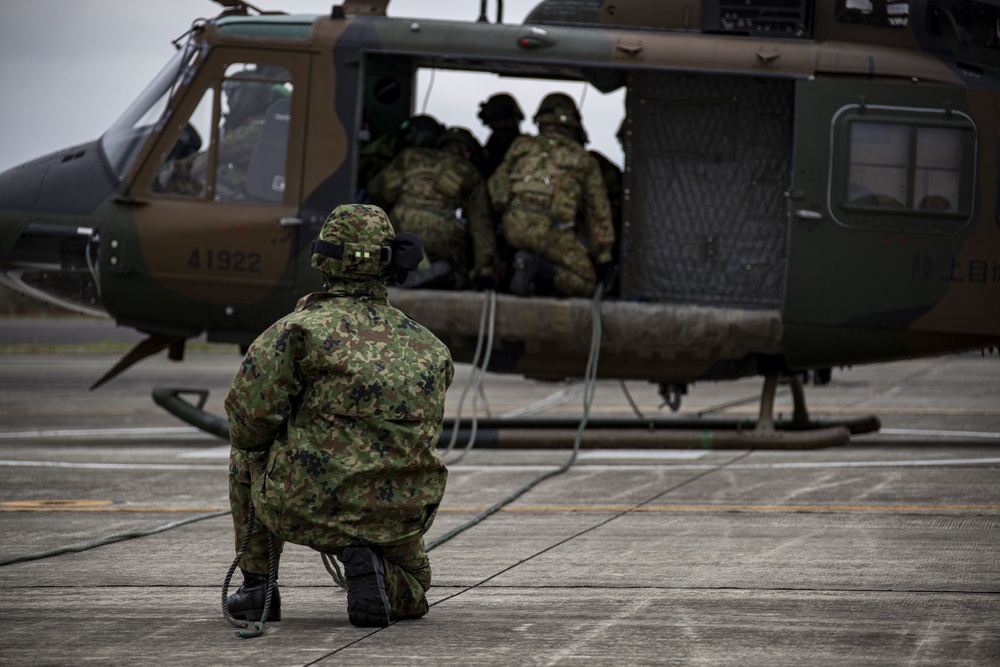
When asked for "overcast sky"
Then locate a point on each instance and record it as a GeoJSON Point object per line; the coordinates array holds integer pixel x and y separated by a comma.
{"type": "Point", "coordinates": [70, 67]}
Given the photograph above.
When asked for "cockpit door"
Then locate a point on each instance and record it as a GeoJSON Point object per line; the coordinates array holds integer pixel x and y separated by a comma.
{"type": "Point", "coordinates": [216, 201]}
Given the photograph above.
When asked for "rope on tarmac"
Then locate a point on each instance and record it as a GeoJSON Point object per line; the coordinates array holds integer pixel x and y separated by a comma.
{"type": "Point", "coordinates": [487, 325]}
{"type": "Point", "coordinates": [590, 386]}
{"type": "Point", "coordinates": [111, 539]}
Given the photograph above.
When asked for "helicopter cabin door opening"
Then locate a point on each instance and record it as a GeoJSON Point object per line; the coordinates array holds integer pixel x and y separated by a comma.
{"type": "Point", "coordinates": [217, 197]}
{"type": "Point", "coordinates": [702, 217]}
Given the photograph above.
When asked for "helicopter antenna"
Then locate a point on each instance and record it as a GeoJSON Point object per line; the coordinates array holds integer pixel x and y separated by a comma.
{"type": "Point", "coordinates": [240, 8]}
{"type": "Point", "coordinates": [482, 12]}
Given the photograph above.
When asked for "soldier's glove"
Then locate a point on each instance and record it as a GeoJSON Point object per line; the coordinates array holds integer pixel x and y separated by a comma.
{"type": "Point", "coordinates": [606, 274]}
{"type": "Point", "coordinates": [407, 253]}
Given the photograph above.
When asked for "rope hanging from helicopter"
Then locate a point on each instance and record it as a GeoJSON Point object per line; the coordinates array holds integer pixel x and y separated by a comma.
{"type": "Point", "coordinates": [487, 322]}
{"type": "Point", "coordinates": [590, 386]}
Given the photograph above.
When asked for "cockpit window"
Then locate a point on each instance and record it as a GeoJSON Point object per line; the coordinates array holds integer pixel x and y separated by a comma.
{"type": "Point", "coordinates": [122, 141]}
{"type": "Point", "coordinates": [234, 144]}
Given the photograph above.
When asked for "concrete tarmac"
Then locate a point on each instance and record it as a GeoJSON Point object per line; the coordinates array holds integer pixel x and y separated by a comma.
{"type": "Point", "coordinates": [885, 551]}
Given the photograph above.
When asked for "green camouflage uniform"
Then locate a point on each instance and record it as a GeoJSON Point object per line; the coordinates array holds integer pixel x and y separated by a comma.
{"type": "Point", "coordinates": [425, 187]}
{"type": "Point", "coordinates": [543, 186]}
{"type": "Point", "coordinates": [334, 420]}
{"type": "Point", "coordinates": [189, 176]}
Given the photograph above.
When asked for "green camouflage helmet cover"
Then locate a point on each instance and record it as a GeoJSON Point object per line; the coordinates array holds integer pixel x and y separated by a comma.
{"type": "Point", "coordinates": [365, 234]}
{"type": "Point", "coordinates": [558, 109]}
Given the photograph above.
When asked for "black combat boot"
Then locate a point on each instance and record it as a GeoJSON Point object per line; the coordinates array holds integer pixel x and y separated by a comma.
{"type": "Point", "coordinates": [522, 282]}
{"type": "Point", "coordinates": [545, 278]}
{"type": "Point", "coordinates": [367, 602]}
{"type": "Point", "coordinates": [247, 604]}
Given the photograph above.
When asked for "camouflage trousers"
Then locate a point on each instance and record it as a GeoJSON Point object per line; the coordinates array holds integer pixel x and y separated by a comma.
{"type": "Point", "coordinates": [407, 567]}
{"type": "Point", "coordinates": [443, 238]}
{"type": "Point", "coordinates": [535, 232]}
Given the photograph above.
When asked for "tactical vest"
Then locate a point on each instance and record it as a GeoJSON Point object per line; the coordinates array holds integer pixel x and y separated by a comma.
{"type": "Point", "coordinates": [542, 180]}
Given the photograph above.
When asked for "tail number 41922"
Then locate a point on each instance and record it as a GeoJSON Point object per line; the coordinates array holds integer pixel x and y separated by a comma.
{"type": "Point", "coordinates": [224, 260]}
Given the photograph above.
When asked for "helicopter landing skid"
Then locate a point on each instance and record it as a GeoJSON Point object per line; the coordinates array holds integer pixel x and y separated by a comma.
{"type": "Point", "coordinates": [606, 433]}
{"type": "Point", "coordinates": [171, 399]}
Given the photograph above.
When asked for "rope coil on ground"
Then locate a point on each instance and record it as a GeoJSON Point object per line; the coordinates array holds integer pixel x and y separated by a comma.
{"type": "Point", "coordinates": [271, 576]}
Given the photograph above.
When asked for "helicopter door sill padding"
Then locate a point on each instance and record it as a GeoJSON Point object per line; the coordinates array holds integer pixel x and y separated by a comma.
{"type": "Point", "coordinates": [671, 330]}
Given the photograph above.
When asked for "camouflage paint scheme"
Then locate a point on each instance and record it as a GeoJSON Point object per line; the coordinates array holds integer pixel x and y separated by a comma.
{"type": "Point", "coordinates": [851, 295]}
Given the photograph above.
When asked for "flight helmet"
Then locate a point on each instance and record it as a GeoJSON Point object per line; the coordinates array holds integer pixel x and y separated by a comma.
{"type": "Point", "coordinates": [248, 95]}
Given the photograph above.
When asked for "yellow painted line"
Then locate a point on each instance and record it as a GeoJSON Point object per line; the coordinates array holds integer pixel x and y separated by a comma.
{"type": "Point", "coordinates": [57, 504]}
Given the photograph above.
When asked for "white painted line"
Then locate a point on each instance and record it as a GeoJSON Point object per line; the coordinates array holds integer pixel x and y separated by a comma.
{"type": "Point", "coordinates": [110, 466]}
{"type": "Point", "coordinates": [947, 434]}
{"type": "Point", "coordinates": [737, 466]}
{"type": "Point", "coordinates": [643, 454]}
{"type": "Point", "coordinates": [221, 452]}
{"type": "Point", "coordinates": [539, 468]}
{"type": "Point", "coordinates": [173, 431]}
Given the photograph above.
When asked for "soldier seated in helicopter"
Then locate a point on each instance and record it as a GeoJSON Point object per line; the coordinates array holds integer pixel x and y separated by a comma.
{"type": "Point", "coordinates": [545, 184]}
{"type": "Point", "coordinates": [438, 194]}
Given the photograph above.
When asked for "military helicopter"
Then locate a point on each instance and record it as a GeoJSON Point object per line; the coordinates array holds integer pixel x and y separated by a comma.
{"type": "Point", "coordinates": [807, 184]}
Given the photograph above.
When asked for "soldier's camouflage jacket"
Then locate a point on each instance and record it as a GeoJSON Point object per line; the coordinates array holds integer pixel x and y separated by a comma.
{"type": "Point", "coordinates": [346, 395]}
{"type": "Point", "coordinates": [553, 175]}
{"type": "Point", "coordinates": [424, 187]}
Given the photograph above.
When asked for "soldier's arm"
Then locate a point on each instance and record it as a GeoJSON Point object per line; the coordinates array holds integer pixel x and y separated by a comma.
{"type": "Point", "coordinates": [597, 212]}
{"type": "Point", "coordinates": [260, 398]}
{"type": "Point", "coordinates": [477, 211]}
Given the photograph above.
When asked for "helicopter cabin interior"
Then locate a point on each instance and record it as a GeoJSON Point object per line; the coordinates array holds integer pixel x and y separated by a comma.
{"type": "Point", "coordinates": [682, 236]}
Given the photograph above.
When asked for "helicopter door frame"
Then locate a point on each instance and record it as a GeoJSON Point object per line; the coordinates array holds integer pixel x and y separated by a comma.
{"type": "Point", "coordinates": [222, 245]}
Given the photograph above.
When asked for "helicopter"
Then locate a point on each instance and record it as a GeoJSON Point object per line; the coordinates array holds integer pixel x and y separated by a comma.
{"type": "Point", "coordinates": [804, 186]}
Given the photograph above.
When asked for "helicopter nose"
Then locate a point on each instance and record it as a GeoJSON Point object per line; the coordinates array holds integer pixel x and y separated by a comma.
{"type": "Point", "coordinates": [47, 249]}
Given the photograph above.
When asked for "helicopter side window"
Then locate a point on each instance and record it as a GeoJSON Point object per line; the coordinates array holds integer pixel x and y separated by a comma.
{"type": "Point", "coordinates": [245, 159]}
{"type": "Point", "coordinates": [185, 171]}
{"type": "Point", "coordinates": [912, 170]}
